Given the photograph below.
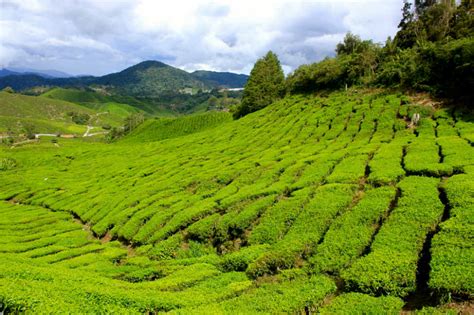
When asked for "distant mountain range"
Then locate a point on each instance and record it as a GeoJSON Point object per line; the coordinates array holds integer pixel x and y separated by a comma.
{"type": "Point", "coordinates": [42, 73]}
{"type": "Point", "coordinates": [148, 79]}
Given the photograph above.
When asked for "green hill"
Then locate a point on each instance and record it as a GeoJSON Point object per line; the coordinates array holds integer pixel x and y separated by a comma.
{"type": "Point", "coordinates": [166, 128]}
{"type": "Point", "coordinates": [41, 114]}
{"type": "Point", "coordinates": [326, 205]}
{"type": "Point", "coordinates": [150, 79]}
{"type": "Point", "coordinates": [76, 95]}
{"type": "Point", "coordinates": [121, 106]}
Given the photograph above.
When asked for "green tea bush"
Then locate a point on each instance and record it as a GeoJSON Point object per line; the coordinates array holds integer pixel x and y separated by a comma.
{"type": "Point", "coordinates": [357, 303]}
{"type": "Point", "coordinates": [7, 164]}
{"type": "Point", "coordinates": [391, 265]}
{"type": "Point", "coordinates": [350, 234]}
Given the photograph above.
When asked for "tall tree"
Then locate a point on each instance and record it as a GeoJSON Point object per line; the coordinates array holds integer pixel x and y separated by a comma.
{"type": "Point", "coordinates": [351, 44]}
{"type": "Point", "coordinates": [264, 86]}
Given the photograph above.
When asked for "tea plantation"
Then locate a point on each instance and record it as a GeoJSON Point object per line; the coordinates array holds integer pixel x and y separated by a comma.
{"type": "Point", "coordinates": [328, 205]}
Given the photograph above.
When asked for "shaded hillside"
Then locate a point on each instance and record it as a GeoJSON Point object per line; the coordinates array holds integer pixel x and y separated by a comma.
{"type": "Point", "coordinates": [313, 204]}
{"type": "Point", "coordinates": [221, 79]}
{"type": "Point", "coordinates": [21, 82]}
{"type": "Point", "coordinates": [150, 79]}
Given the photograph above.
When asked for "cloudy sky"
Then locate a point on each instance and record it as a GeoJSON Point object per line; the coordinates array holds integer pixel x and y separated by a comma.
{"type": "Point", "coordinates": [102, 36]}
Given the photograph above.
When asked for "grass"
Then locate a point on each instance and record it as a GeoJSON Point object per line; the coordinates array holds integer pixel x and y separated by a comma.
{"type": "Point", "coordinates": [202, 214]}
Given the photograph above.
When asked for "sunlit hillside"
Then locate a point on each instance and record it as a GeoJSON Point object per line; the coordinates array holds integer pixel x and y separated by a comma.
{"type": "Point", "coordinates": [313, 204]}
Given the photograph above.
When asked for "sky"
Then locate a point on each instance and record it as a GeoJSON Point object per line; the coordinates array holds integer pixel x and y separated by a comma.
{"type": "Point", "coordinates": [103, 36]}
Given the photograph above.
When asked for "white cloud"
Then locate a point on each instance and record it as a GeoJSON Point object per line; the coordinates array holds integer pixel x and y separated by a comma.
{"type": "Point", "coordinates": [101, 36]}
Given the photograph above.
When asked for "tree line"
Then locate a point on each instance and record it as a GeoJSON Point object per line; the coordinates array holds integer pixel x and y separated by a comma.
{"type": "Point", "coordinates": [433, 51]}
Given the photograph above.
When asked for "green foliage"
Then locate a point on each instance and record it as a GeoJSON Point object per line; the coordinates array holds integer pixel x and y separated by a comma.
{"type": "Point", "coordinates": [202, 215]}
{"type": "Point", "coordinates": [452, 248]}
{"type": "Point", "coordinates": [357, 303]}
{"type": "Point", "coordinates": [351, 233]}
{"type": "Point", "coordinates": [391, 265]}
{"type": "Point", "coordinates": [149, 79]}
{"type": "Point", "coordinates": [385, 167]}
{"type": "Point", "coordinates": [7, 164]}
{"type": "Point", "coordinates": [166, 128]}
{"type": "Point", "coordinates": [264, 86]}
{"type": "Point", "coordinates": [432, 52]}
{"type": "Point", "coordinates": [221, 79]}
{"type": "Point", "coordinates": [327, 74]}
{"type": "Point", "coordinates": [79, 118]}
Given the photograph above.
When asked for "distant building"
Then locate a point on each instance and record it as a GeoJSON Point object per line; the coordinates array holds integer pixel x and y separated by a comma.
{"type": "Point", "coordinates": [68, 136]}
{"type": "Point", "coordinates": [231, 89]}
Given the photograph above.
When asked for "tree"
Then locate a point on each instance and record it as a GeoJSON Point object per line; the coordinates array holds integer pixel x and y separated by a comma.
{"type": "Point", "coordinates": [406, 36]}
{"type": "Point", "coordinates": [350, 44]}
{"type": "Point", "coordinates": [212, 102]}
{"type": "Point", "coordinates": [264, 86]}
{"type": "Point", "coordinates": [133, 121]}
{"type": "Point", "coordinates": [462, 21]}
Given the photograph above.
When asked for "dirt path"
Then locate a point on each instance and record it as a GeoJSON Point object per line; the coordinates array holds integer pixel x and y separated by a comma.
{"type": "Point", "coordinates": [89, 128]}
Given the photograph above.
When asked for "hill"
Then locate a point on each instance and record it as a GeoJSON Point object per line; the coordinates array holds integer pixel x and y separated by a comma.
{"type": "Point", "coordinates": [5, 72]}
{"type": "Point", "coordinates": [166, 128]}
{"type": "Point", "coordinates": [45, 115]}
{"type": "Point", "coordinates": [221, 79]}
{"type": "Point", "coordinates": [122, 106]}
{"type": "Point", "coordinates": [20, 82]}
{"type": "Point", "coordinates": [43, 73]}
{"type": "Point", "coordinates": [150, 79]}
{"type": "Point", "coordinates": [313, 204]}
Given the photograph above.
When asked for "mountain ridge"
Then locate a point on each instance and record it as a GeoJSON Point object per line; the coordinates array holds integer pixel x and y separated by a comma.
{"type": "Point", "coordinates": [148, 78]}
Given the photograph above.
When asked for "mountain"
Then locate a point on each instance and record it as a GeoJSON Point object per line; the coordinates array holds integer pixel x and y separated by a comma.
{"type": "Point", "coordinates": [20, 82]}
{"type": "Point", "coordinates": [221, 79]}
{"type": "Point", "coordinates": [42, 73]}
{"type": "Point", "coordinates": [5, 72]}
{"type": "Point", "coordinates": [148, 79]}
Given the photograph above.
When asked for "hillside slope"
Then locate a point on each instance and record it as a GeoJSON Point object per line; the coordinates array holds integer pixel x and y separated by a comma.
{"type": "Point", "coordinates": [166, 128]}
{"type": "Point", "coordinates": [221, 79]}
{"type": "Point", "coordinates": [150, 79]}
{"type": "Point", "coordinates": [313, 204]}
{"type": "Point", "coordinates": [46, 115]}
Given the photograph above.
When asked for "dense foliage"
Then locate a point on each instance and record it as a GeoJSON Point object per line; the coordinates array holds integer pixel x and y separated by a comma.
{"type": "Point", "coordinates": [221, 79]}
{"type": "Point", "coordinates": [203, 214]}
{"type": "Point", "coordinates": [433, 51]}
{"type": "Point", "coordinates": [264, 86]}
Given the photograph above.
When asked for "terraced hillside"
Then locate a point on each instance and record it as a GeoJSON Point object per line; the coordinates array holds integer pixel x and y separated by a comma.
{"type": "Point", "coordinates": [313, 204]}
{"type": "Point", "coordinates": [166, 128]}
{"type": "Point", "coordinates": [46, 115]}
{"type": "Point", "coordinates": [116, 105]}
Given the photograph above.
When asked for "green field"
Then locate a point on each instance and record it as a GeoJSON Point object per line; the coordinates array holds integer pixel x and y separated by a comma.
{"type": "Point", "coordinates": [326, 205]}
